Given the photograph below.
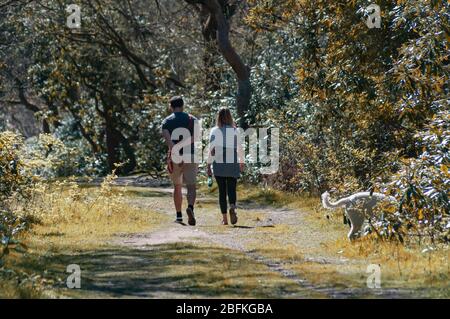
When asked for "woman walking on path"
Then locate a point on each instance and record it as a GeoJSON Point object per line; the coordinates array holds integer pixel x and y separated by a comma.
{"type": "Point", "coordinates": [226, 156]}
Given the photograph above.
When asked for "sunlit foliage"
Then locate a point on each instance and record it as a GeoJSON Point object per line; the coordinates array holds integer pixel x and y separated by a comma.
{"type": "Point", "coordinates": [365, 96]}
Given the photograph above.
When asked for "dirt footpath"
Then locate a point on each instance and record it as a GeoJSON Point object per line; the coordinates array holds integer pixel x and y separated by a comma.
{"type": "Point", "coordinates": [259, 230]}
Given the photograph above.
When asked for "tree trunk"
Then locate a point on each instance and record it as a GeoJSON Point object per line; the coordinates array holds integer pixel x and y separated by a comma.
{"type": "Point", "coordinates": [241, 70]}
{"type": "Point", "coordinates": [131, 163]}
{"type": "Point", "coordinates": [30, 106]}
{"type": "Point", "coordinates": [235, 61]}
{"type": "Point", "coordinates": [209, 31]}
{"type": "Point", "coordinates": [112, 146]}
{"type": "Point", "coordinates": [115, 139]}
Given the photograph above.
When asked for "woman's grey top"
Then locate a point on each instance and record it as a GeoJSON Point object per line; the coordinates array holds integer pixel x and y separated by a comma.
{"type": "Point", "coordinates": [225, 162]}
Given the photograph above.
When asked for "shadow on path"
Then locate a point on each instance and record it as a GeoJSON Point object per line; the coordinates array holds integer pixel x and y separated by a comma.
{"type": "Point", "coordinates": [169, 270]}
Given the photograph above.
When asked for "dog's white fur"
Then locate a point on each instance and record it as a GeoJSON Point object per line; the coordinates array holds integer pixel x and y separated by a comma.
{"type": "Point", "coordinates": [357, 215]}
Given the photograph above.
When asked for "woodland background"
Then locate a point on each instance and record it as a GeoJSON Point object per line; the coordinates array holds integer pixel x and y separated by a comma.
{"type": "Point", "coordinates": [358, 108]}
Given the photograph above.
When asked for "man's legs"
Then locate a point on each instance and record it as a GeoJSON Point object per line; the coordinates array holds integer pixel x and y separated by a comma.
{"type": "Point", "coordinates": [190, 178]}
{"type": "Point", "coordinates": [177, 197]}
{"type": "Point", "coordinates": [177, 180]}
{"type": "Point", "coordinates": [191, 194]}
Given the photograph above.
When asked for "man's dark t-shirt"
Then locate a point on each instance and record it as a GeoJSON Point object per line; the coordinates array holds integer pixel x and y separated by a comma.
{"type": "Point", "coordinates": [177, 120]}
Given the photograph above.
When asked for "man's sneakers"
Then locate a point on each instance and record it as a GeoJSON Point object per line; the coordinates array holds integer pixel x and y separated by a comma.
{"type": "Point", "coordinates": [190, 213]}
{"type": "Point", "coordinates": [179, 218]}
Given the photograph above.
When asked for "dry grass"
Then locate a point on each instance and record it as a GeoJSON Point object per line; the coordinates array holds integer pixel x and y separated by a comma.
{"type": "Point", "coordinates": [342, 262]}
{"type": "Point", "coordinates": [80, 223]}
{"type": "Point", "coordinates": [71, 219]}
{"type": "Point", "coordinates": [87, 226]}
{"type": "Point", "coordinates": [86, 217]}
{"type": "Point", "coordinates": [226, 273]}
{"type": "Point", "coordinates": [408, 266]}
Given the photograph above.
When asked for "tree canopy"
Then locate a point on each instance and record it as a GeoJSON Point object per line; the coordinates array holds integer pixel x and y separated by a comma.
{"type": "Point", "coordinates": [358, 108]}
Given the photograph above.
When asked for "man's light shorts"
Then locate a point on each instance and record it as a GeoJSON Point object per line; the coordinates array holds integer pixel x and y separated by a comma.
{"type": "Point", "coordinates": [184, 173]}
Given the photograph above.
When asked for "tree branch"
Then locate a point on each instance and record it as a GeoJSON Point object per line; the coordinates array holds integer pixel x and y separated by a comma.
{"type": "Point", "coordinates": [218, 21]}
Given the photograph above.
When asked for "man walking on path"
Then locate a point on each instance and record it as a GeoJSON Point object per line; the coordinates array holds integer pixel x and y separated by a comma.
{"type": "Point", "coordinates": [180, 131]}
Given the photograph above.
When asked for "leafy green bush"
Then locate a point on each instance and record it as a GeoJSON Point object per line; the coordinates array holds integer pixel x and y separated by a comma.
{"type": "Point", "coordinates": [371, 107]}
{"type": "Point", "coordinates": [423, 184]}
{"type": "Point", "coordinates": [15, 186]}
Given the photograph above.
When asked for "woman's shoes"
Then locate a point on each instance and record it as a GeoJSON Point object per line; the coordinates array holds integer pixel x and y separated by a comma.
{"type": "Point", "coordinates": [233, 215]}
{"type": "Point", "coordinates": [224, 219]}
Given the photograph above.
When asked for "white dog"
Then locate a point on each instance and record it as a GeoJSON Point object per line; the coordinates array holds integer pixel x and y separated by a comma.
{"type": "Point", "coordinates": [357, 207]}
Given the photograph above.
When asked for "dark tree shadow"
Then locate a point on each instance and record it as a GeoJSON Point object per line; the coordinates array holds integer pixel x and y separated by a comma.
{"type": "Point", "coordinates": [164, 270]}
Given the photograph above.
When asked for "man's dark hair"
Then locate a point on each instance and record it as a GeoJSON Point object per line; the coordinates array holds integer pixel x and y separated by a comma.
{"type": "Point", "coordinates": [176, 102]}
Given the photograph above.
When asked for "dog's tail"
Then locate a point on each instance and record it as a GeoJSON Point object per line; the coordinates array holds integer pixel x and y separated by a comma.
{"type": "Point", "coordinates": [331, 205]}
{"type": "Point", "coordinates": [362, 195]}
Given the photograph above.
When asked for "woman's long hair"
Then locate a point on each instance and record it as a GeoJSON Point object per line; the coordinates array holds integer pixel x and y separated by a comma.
{"type": "Point", "coordinates": [224, 117]}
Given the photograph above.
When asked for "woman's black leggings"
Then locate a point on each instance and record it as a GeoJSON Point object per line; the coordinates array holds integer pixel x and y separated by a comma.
{"type": "Point", "coordinates": [227, 185]}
